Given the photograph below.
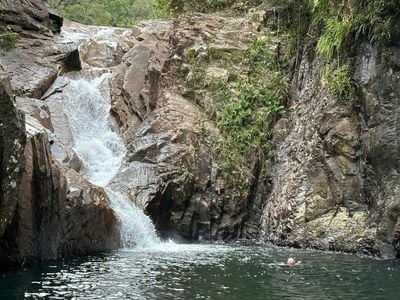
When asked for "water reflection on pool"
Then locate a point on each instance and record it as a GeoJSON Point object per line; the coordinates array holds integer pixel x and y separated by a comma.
{"type": "Point", "coordinates": [172, 271]}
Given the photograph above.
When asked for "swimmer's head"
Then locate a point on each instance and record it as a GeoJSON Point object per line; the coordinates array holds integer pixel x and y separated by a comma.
{"type": "Point", "coordinates": [291, 262]}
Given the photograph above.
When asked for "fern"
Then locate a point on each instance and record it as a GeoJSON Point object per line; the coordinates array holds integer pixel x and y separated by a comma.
{"type": "Point", "coordinates": [332, 39]}
{"type": "Point", "coordinates": [340, 83]}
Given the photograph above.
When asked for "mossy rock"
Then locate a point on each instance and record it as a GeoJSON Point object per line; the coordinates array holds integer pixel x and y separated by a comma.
{"type": "Point", "coordinates": [8, 40]}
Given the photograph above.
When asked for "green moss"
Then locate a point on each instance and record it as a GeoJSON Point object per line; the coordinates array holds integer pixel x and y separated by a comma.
{"type": "Point", "coordinates": [8, 40]}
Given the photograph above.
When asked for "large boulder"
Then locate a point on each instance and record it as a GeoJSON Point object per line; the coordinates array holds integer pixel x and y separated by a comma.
{"type": "Point", "coordinates": [29, 15]}
{"type": "Point", "coordinates": [136, 81]}
{"type": "Point", "coordinates": [53, 210]}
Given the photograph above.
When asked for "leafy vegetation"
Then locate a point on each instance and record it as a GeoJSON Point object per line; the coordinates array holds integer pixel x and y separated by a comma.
{"type": "Point", "coordinates": [334, 26]}
{"type": "Point", "coordinates": [120, 13]}
{"type": "Point", "coordinates": [8, 40]}
{"type": "Point", "coordinates": [256, 102]}
{"type": "Point", "coordinates": [340, 20]}
{"type": "Point", "coordinates": [331, 41]}
{"type": "Point", "coordinates": [340, 82]}
{"type": "Point", "coordinates": [245, 106]}
{"type": "Point", "coordinates": [375, 19]}
{"type": "Point", "coordinates": [210, 5]}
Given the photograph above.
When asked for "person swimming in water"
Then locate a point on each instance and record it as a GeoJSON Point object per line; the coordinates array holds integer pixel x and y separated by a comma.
{"type": "Point", "coordinates": [291, 262]}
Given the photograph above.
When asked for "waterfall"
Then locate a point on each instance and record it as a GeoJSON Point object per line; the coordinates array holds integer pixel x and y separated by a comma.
{"type": "Point", "coordinates": [102, 152]}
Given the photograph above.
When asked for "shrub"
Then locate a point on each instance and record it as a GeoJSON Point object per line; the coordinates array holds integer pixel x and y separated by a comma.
{"type": "Point", "coordinates": [340, 83]}
{"type": "Point", "coordinates": [250, 106]}
{"type": "Point", "coordinates": [8, 40]}
{"type": "Point", "coordinates": [335, 23]}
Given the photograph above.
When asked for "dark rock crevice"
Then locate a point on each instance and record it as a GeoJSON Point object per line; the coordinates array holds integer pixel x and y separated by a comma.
{"type": "Point", "coordinates": [71, 62]}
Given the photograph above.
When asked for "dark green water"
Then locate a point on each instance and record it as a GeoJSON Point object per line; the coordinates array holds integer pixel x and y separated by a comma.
{"type": "Point", "coordinates": [207, 272]}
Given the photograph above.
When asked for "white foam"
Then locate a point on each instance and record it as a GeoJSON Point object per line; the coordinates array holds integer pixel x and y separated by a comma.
{"type": "Point", "coordinates": [136, 228]}
{"type": "Point", "coordinates": [102, 152]}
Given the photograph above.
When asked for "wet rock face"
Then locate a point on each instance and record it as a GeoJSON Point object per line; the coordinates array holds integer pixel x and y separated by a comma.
{"type": "Point", "coordinates": [45, 208]}
{"type": "Point", "coordinates": [170, 173]}
{"type": "Point", "coordinates": [380, 138]}
{"type": "Point", "coordinates": [334, 170]}
{"type": "Point", "coordinates": [51, 212]}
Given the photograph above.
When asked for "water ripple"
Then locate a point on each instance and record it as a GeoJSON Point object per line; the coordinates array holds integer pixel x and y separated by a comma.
{"type": "Point", "coordinates": [207, 272]}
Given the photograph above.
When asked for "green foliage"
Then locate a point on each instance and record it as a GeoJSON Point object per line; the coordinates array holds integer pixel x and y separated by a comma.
{"type": "Point", "coordinates": [207, 6]}
{"type": "Point", "coordinates": [201, 6]}
{"type": "Point", "coordinates": [8, 40]}
{"type": "Point", "coordinates": [244, 104]}
{"type": "Point", "coordinates": [374, 19]}
{"type": "Point", "coordinates": [340, 83]}
{"type": "Point", "coordinates": [120, 13]}
{"type": "Point", "coordinates": [250, 105]}
{"type": "Point", "coordinates": [331, 25]}
{"type": "Point", "coordinates": [330, 43]}
{"type": "Point", "coordinates": [335, 23]}
{"type": "Point", "coordinates": [296, 24]}
{"type": "Point", "coordinates": [339, 20]}
{"type": "Point", "coordinates": [161, 8]}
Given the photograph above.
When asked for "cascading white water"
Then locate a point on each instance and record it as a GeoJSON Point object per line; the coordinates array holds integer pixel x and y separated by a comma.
{"type": "Point", "coordinates": [102, 152]}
